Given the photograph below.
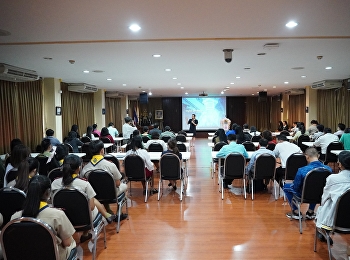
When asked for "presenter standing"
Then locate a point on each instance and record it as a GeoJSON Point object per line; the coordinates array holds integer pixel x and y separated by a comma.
{"type": "Point", "coordinates": [193, 122]}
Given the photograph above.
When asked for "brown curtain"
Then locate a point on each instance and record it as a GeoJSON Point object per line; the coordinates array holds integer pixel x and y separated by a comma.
{"type": "Point", "coordinates": [113, 112]}
{"type": "Point", "coordinates": [297, 106]}
{"type": "Point", "coordinates": [77, 109]}
{"type": "Point", "coordinates": [333, 107]}
{"type": "Point", "coordinates": [275, 113]}
{"type": "Point", "coordinates": [258, 113]}
{"type": "Point", "coordinates": [21, 111]}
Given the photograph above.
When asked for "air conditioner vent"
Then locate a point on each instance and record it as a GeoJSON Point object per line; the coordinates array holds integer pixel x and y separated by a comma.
{"type": "Point", "coordinates": [295, 91]}
{"type": "Point", "coordinates": [82, 88]}
{"type": "Point", "coordinates": [203, 94]}
{"type": "Point", "coordinates": [327, 84]}
{"type": "Point", "coordinates": [16, 74]}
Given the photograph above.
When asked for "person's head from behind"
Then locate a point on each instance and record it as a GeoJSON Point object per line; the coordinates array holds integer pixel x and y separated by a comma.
{"type": "Point", "coordinates": [110, 124]}
{"type": "Point", "coordinates": [263, 142]}
{"type": "Point", "coordinates": [104, 131]}
{"type": "Point", "coordinates": [20, 152]}
{"type": "Point", "coordinates": [320, 128]}
{"type": "Point", "coordinates": [311, 154]}
{"type": "Point", "coordinates": [281, 138]}
{"type": "Point", "coordinates": [96, 147]}
{"type": "Point", "coordinates": [327, 130]}
{"type": "Point", "coordinates": [182, 132]}
{"type": "Point", "coordinates": [239, 130]}
{"type": "Point", "coordinates": [89, 130]}
{"type": "Point", "coordinates": [347, 130]}
{"type": "Point", "coordinates": [127, 120]}
{"type": "Point", "coordinates": [221, 134]}
{"type": "Point", "coordinates": [46, 145]}
{"type": "Point", "coordinates": [172, 145]}
{"type": "Point", "coordinates": [50, 132]}
{"type": "Point", "coordinates": [295, 124]}
{"type": "Point", "coordinates": [94, 126]}
{"type": "Point", "coordinates": [156, 125]}
{"type": "Point", "coordinates": [234, 125]}
{"type": "Point", "coordinates": [145, 129]}
{"type": "Point", "coordinates": [15, 142]}
{"type": "Point", "coordinates": [284, 132]}
{"type": "Point", "coordinates": [136, 143]}
{"type": "Point", "coordinates": [344, 160]}
{"type": "Point", "coordinates": [72, 135]}
{"type": "Point", "coordinates": [285, 123]}
{"type": "Point", "coordinates": [252, 129]}
{"type": "Point", "coordinates": [134, 133]}
{"type": "Point", "coordinates": [155, 135]}
{"type": "Point", "coordinates": [61, 152]}
{"type": "Point", "coordinates": [267, 135]}
{"type": "Point", "coordinates": [245, 126]}
{"type": "Point", "coordinates": [71, 166]}
{"type": "Point", "coordinates": [26, 170]}
{"type": "Point", "coordinates": [167, 128]}
{"type": "Point", "coordinates": [38, 190]}
{"type": "Point", "coordinates": [314, 122]}
{"type": "Point", "coordinates": [341, 126]}
{"type": "Point", "coordinates": [74, 128]}
{"type": "Point", "coordinates": [231, 138]}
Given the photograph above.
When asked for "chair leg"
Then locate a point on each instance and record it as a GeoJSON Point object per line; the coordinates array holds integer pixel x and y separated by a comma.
{"type": "Point", "coordinates": [275, 188]}
{"type": "Point", "coordinates": [244, 187]}
{"type": "Point", "coordinates": [104, 237]}
{"type": "Point", "coordinates": [222, 188]}
{"type": "Point", "coordinates": [252, 185]}
{"type": "Point", "coordinates": [315, 240]}
{"type": "Point", "coordinates": [159, 191]}
{"type": "Point", "coordinates": [181, 189]}
{"type": "Point", "coordinates": [300, 215]}
{"type": "Point", "coordinates": [328, 245]}
{"type": "Point", "coordinates": [146, 195]}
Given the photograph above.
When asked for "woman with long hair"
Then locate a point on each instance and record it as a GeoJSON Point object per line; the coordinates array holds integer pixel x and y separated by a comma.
{"type": "Point", "coordinates": [75, 129]}
{"type": "Point", "coordinates": [27, 169]}
{"type": "Point", "coordinates": [105, 133]}
{"type": "Point", "coordinates": [74, 141]}
{"type": "Point", "coordinates": [172, 148]}
{"type": "Point", "coordinates": [136, 146]}
{"type": "Point", "coordinates": [89, 132]}
{"type": "Point", "coordinates": [220, 136]}
{"type": "Point", "coordinates": [36, 206]}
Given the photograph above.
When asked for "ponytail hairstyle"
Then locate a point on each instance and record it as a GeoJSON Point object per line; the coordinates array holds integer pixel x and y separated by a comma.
{"type": "Point", "coordinates": [38, 186]}
{"type": "Point", "coordinates": [25, 167]}
{"type": "Point", "coordinates": [136, 142]}
{"type": "Point", "coordinates": [173, 146]}
{"type": "Point", "coordinates": [70, 165]}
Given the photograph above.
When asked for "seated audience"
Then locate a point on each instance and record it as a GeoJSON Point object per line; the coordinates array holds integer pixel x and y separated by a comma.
{"type": "Point", "coordinates": [345, 139]}
{"type": "Point", "coordinates": [324, 140]}
{"type": "Point", "coordinates": [182, 132]}
{"type": "Point", "coordinates": [172, 148]}
{"type": "Point", "coordinates": [48, 153]}
{"type": "Point", "coordinates": [336, 185]}
{"type": "Point", "coordinates": [220, 136]}
{"type": "Point", "coordinates": [294, 129]}
{"type": "Point", "coordinates": [13, 143]}
{"type": "Point", "coordinates": [54, 140]}
{"type": "Point", "coordinates": [241, 136]}
{"type": "Point", "coordinates": [280, 126]}
{"type": "Point", "coordinates": [127, 129]}
{"type": "Point", "coordinates": [75, 129]}
{"type": "Point", "coordinates": [246, 128]}
{"type": "Point", "coordinates": [285, 126]}
{"type": "Point", "coordinates": [155, 139]}
{"type": "Point", "coordinates": [318, 133]}
{"type": "Point", "coordinates": [296, 188]}
{"type": "Point", "coordinates": [89, 132]}
{"type": "Point", "coordinates": [36, 206]}
{"type": "Point", "coordinates": [232, 131]}
{"type": "Point", "coordinates": [253, 131]}
{"type": "Point", "coordinates": [20, 153]}
{"type": "Point", "coordinates": [340, 129]}
{"type": "Point", "coordinates": [112, 130]}
{"type": "Point", "coordinates": [167, 132]}
{"type": "Point", "coordinates": [155, 129]}
{"type": "Point", "coordinates": [27, 169]}
{"type": "Point", "coordinates": [94, 130]}
{"type": "Point", "coordinates": [313, 127]}
{"type": "Point", "coordinates": [74, 141]}
{"type": "Point", "coordinates": [299, 132]}
{"type": "Point", "coordinates": [145, 132]}
{"type": "Point", "coordinates": [61, 152]}
{"type": "Point", "coordinates": [105, 133]}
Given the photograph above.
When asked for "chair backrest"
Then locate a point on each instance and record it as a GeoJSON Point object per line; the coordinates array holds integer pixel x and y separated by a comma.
{"type": "Point", "coordinates": [314, 182]}
{"type": "Point", "coordinates": [85, 139]}
{"type": "Point", "coordinates": [181, 147]}
{"type": "Point", "coordinates": [11, 201]}
{"type": "Point", "coordinates": [342, 213]}
{"type": "Point", "coordinates": [69, 146]}
{"type": "Point", "coordinates": [96, 135]}
{"type": "Point", "coordinates": [264, 167]}
{"type": "Point", "coordinates": [103, 184]}
{"type": "Point", "coordinates": [134, 167]}
{"type": "Point", "coordinates": [166, 138]}
{"type": "Point", "coordinates": [55, 173]}
{"type": "Point", "coordinates": [155, 147]}
{"type": "Point", "coordinates": [29, 238]}
{"type": "Point", "coordinates": [271, 146]}
{"type": "Point", "coordinates": [234, 165]}
{"type": "Point", "coordinates": [256, 138]}
{"type": "Point", "coordinates": [11, 175]}
{"type": "Point", "coordinates": [249, 146]}
{"type": "Point", "coordinates": [44, 166]}
{"type": "Point", "coordinates": [145, 138]}
{"type": "Point", "coordinates": [294, 162]}
{"type": "Point", "coordinates": [303, 138]}
{"type": "Point", "coordinates": [333, 146]}
{"type": "Point", "coordinates": [181, 138]}
{"type": "Point", "coordinates": [75, 205]}
{"type": "Point", "coordinates": [112, 159]}
{"type": "Point", "coordinates": [105, 140]}
{"type": "Point", "coordinates": [170, 167]}
{"type": "Point", "coordinates": [218, 146]}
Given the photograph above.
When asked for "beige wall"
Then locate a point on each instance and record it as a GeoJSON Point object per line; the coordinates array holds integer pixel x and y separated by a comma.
{"type": "Point", "coordinates": [99, 104]}
{"type": "Point", "coordinates": [311, 102]}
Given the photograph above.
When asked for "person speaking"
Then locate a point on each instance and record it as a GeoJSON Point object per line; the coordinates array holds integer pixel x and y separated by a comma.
{"type": "Point", "coordinates": [193, 122]}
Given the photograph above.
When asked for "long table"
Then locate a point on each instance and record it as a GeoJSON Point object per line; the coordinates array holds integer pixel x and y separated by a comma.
{"type": "Point", "coordinates": [77, 154]}
{"type": "Point", "coordinates": [210, 144]}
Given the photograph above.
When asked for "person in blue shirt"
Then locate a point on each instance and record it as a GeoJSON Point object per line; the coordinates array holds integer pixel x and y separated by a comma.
{"type": "Point", "coordinates": [263, 144]}
{"type": "Point", "coordinates": [49, 135]}
{"type": "Point", "coordinates": [296, 187]}
{"type": "Point", "coordinates": [232, 147]}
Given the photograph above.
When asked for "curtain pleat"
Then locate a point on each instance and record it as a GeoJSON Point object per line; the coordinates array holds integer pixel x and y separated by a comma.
{"type": "Point", "coordinates": [113, 111]}
{"type": "Point", "coordinates": [258, 113]}
{"type": "Point", "coordinates": [275, 113]}
{"type": "Point", "coordinates": [297, 105]}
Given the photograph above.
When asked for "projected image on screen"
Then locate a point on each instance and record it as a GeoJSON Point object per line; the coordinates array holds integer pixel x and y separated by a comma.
{"type": "Point", "coordinates": [208, 110]}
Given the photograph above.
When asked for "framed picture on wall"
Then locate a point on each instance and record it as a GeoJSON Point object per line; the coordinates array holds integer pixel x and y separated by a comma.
{"type": "Point", "coordinates": [158, 114]}
{"type": "Point", "coordinates": [58, 111]}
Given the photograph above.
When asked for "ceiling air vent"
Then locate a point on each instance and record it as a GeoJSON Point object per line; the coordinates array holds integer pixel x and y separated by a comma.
{"type": "Point", "coordinates": [16, 74]}
{"type": "Point", "coordinates": [82, 88]}
{"type": "Point", "coordinates": [203, 94]}
{"type": "Point", "coordinates": [327, 84]}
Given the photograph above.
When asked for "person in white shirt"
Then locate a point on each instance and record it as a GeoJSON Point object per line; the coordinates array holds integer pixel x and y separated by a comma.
{"type": "Point", "coordinates": [315, 136]}
{"type": "Point", "coordinates": [155, 139]}
{"type": "Point", "coordinates": [128, 128]}
{"type": "Point", "coordinates": [324, 140]}
{"type": "Point", "coordinates": [112, 130]}
{"type": "Point", "coordinates": [340, 130]}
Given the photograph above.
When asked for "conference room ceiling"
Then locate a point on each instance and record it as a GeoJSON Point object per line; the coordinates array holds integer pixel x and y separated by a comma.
{"type": "Point", "coordinates": [190, 37]}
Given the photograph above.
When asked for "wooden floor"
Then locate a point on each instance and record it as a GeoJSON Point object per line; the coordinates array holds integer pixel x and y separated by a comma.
{"type": "Point", "coordinates": [203, 226]}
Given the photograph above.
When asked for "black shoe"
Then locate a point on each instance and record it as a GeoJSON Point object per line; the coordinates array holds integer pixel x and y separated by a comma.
{"type": "Point", "coordinates": [122, 217]}
{"type": "Point", "coordinates": [174, 187]}
{"type": "Point", "coordinates": [154, 191]}
{"type": "Point", "coordinates": [323, 239]}
{"type": "Point", "coordinates": [111, 218]}
{"type": "Point", "coordinates": [85, 238]}
{"type": "Point", "coordinates": [144, 192]}
{"type": "Point", "coordinates": [169, 184]}
{"type": "Point", "coordinates": [225, 185]}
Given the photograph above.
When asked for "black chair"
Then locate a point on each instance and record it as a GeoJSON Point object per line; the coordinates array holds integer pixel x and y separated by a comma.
{"type": "Point", "coordinates": [145, 139]}
{"type": "Point", "coordinates": [37, 240]}
{"type": "Point", "coordinates": [105, 140]}
{"type": "Point", "coordinates": [112, 159]}
{"type": "Point", "coordinates": [264, 168]}
{"type": "Point", "coordinates": [181, 147]}
{"type": "Point", "coordinates": [11, 175]}
{"type": "Point", "coordinates": [294, 162]}
{"type": "Point", "coordinates": [314, 182]}
{"type": "Point", "coordinates": [341, 222]}
{"type": "Point", "coordinates": [85, 139]}
{"type": "Point", "coordinates": [166, 138]}
{"type": "Point", "coordinates": [234, 167]}
{"type": "Point", "coordinates": [256, 138]}
{"type": "Point", "coordinates": [55, 173]}
{"type": "Point", "coordinates": [96, 135]}
{"type": "Point", "coordinates": [44, 166]}
{"type": "Point", "coordinates": [216, 148]}
{"type": "Point", "coordinates": [134, 167]}
{"type": "Point", "coordinates": [271, 146]}
{"type": "Point", "coordinates": [181, 138]}
{"type": "Point", "coordinates": [85, 149]}
{"type": "Point", "coordinates": [249, 146]}
{"type": "Point", "coordinates": [104, 185]}
{"type": "Point", "coordinates": [330, 157]}
{"type": "Point", "coordinates": [69, 146]}
{"type": "Point", "coordinates": [301, 139]}
{"type": "Point", "coordinates": [11, 201]}
{"type": "Point", "coordinates": [77, 208]}
{"type": "Point", "coordinates": [170, 169]}
{"type": "Point", "coordinates": [155, 147]}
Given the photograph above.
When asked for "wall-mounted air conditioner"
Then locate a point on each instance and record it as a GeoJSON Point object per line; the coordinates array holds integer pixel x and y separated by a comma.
{"type": "Point", "coordinates": [82, 88]}
{"type": "Point", "coordinates": [295, 91]}
{"type": "Point", "coordinates": [327, 84]}
{"type": "Point", "coordinates": [114, 94]}
{"type": "Point", "coordinates": [16, 74]}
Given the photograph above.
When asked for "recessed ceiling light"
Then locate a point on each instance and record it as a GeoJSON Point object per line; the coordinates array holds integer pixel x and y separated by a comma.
{"type": "Point", "coordinates": [168, 70]}
{"type": "Point", "coordinates": [265, 89]}
{"type": "Point", "coordinates": [328, 68]}
{"type": "Point", "coordinates": [109, 79]}
{"type": "Point", "coordinates": [247, 68]}
{"type": "Point", "coordinates": [227, 87]}
{"type": "Point", "coordinates": [143, 91]}
{"type": "Point", "coordinates": [291, 24]}
{"type": "Point", "coordinates": [286, 82]}
{"type": "Point", "coordinates": [174, 77]}
{"type": "Point", "coordinates": [156, 55]}
{"type": "Point", "coordinates": [179, 84]}
{"type": "Point", "coordinates": [253, 94]}
{"type": "Point", "coordinates": [98, 71]}
{"type": "Point", "coordinates": [257, 92]}
{"type": "Point", "coordinates": [238, 77]}
{"type": "Point", "coordinates": [298, 68]}
{"type": "Point", "coordinates": [134, 27]}
{"type": "Point", "coordinates": [232, 83]}
{"type": "Point", "coordinates": [225, 90]}
{"type": "Point", "coordinates": [222, 92]}
{"type": "Point", "coordinates": [150, 93]}
{"type": "Point", "coordinates": [261, 53]}
{"type": "Point", "coordinates": [186, 93]}
{"type": "Point", "coordinates": [303, 76]}
{"type": "Point", "coordinates": [182, 87]}
{"type": "Point", "coordinates": [86, 71]}
{"type": "Point", "coordinates": [274, 87]}
{"type": "Point", "coordinates": [124, 85]}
